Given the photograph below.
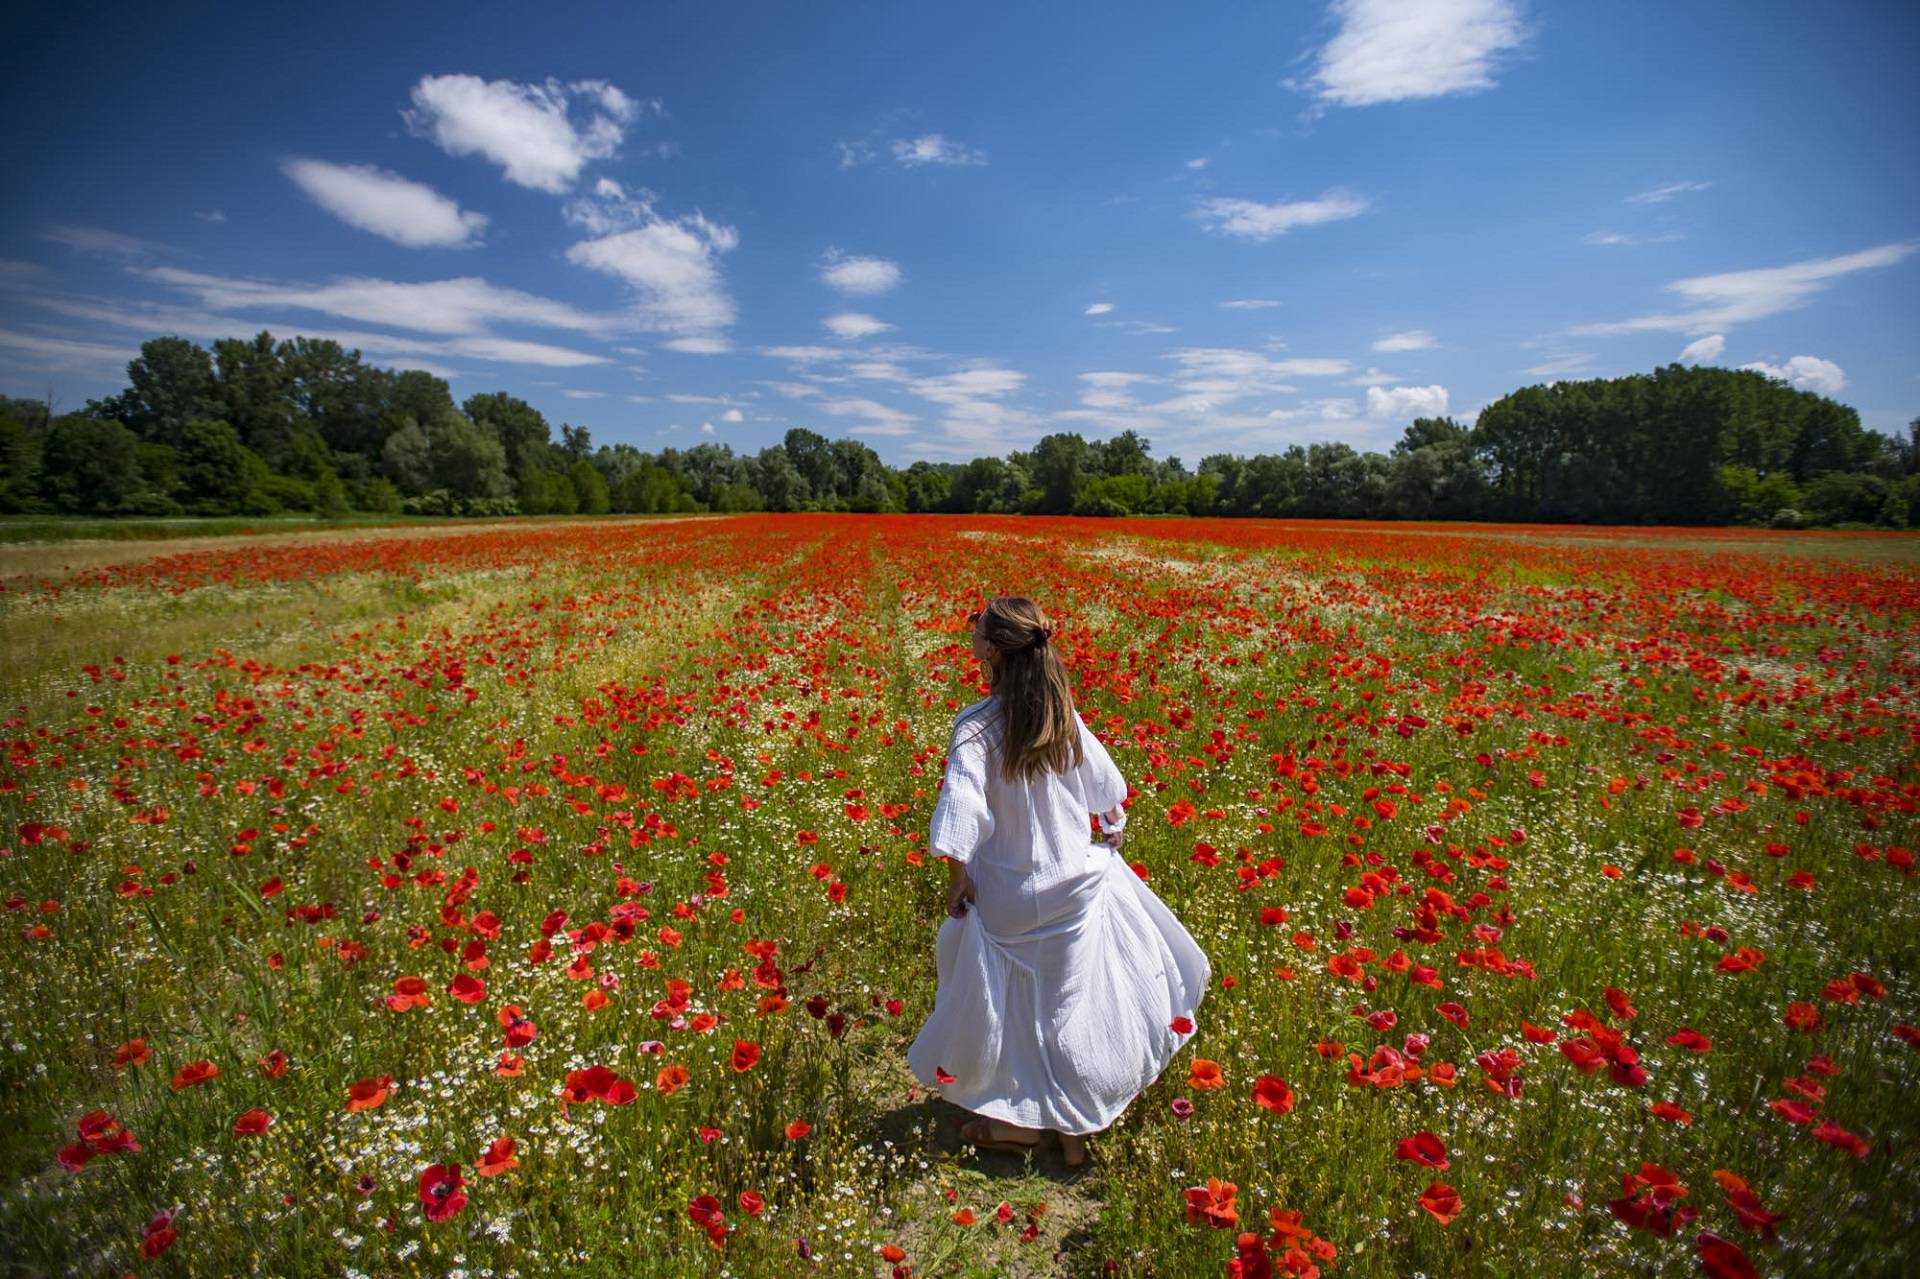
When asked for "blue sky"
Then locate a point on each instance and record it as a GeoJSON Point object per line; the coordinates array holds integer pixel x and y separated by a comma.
{"type": "Point", "coordinates": [948, 230]}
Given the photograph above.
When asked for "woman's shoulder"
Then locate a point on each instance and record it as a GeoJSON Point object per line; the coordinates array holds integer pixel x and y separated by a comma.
{"type": "Point", "coordinates": [974, 722]}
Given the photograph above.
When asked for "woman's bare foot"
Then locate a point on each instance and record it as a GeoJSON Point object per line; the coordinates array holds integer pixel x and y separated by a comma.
{"type": "Point", "coordinates": [993, 1134]}
{"type": "Point", "coordinates": [1073, 1149]}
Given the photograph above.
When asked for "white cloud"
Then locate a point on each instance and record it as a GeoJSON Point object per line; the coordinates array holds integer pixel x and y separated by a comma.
{"type": "Point", "coordinates": [572, 394]}
{"type": "Point", "coordinates": [733, 415]}
{"type": "Point", "coordinates": [408, 213]}
{"type": "Point", "coordinates": [1411, 340]}
{"type": "Point", "coordinates": [932, 148]}
{"type": "Point", "coordinates": [795, 390]}
{"type": "Point", "coordinates": [862, 276]}
{"type": "Point", "coordinates": [1252, 220]}
{"type": "Point", "coordinates": [1098, 308]}
{"type": "Point", "coordinates": [1248, 304]}
{"type": "Point", "coordinates": [508, 351]}
{"type": "Point", "coordinates": [879, 418]}
{"type": "Point", "coordinates": [463, 305]}
{"type": "Point", "coordinates": [854, 153]}
{"type": "Point", "coordinates": [1406, 401]}
{"type": "Point", "coordinates": [1624, 238]}
{"type": "Point", "coordinates": [1703, 350]}
{"type": "Point", "coordinates": [698, 345]}
{"type": "Point", "coordinates": [1562, 364]}
{"type": "Point", "coordinates": [1139, 328]}
{"type": "Point", "coordinates": [211, 215]}
{"type": "Point", "coordinates": [1198, 162]}
{"type": "Point", "coordinates": [964, 385]}
{"type": "Point", "coordinates": [541, 135]}
{"type": "Point", "coordinates": [672, 264]}
{"type": "Point", "coordinates": [803, 354]}
{"type": "Point", "coordinates": [1396, 50]}
{"type": "Point", "coordinates": [1112, 390]}
{"type": "Point", "coordinates": [706, 428]}
{"type": "Point", "coordinates": [1660, 195]}
{"type": "Point", "coordinates": [852, 325]}
{"type": "Point", "coordinates": [100, 243]}
{"type": "Point", "coordinates": [1737, 297]}
{"type": "Point", "coordinates": [64, 353]}
{"type": "Point", "coordinates": [1806, 373]}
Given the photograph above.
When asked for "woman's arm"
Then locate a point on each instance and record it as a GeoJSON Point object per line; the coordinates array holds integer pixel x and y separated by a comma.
{"type": "Point", "coordinates": [959, 888]}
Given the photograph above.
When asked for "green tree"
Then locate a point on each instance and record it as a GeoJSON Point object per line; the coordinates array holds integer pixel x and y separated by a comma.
{"type": "Point", "coordinates": [89, 466]}
{"type": "Point", "coordinates": [218, 474]}
{"type": "Point", "coordinates": [589, 487]}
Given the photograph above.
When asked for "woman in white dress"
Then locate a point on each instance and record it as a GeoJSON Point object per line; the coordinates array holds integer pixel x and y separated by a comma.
{"type": "Point", "coordinates": [1061, 974]}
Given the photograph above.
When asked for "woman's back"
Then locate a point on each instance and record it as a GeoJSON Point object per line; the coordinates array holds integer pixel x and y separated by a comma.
{"type": "Point", "coordinates": [1027, 837]}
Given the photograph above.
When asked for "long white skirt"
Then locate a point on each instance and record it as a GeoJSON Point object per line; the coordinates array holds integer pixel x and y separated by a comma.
{"type": "Point", "coordinates": [1061, 1026]}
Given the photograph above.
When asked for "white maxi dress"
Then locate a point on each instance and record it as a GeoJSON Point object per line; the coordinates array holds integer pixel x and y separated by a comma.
{"type": "Point", "coordinates": [1059, 986]}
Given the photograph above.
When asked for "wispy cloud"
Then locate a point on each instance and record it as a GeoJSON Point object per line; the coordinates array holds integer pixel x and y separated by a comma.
{"type": "Point", "coordinates": [933, 148]}
{"type": "Point", "coordinates": [1719, 302]}
{"type": "Point", "coordinates": [101, 243]}
{"type": "Point", "coordinates": [1660, 195]}
{"type": "Point", "coordinates": [1393, 51]}
{"type": "Point", "coordinates": [1252, 220]}
{"type": "Point", "coordinates": [390, 206]}
{"type": "Point", "coordinates": [1138, 328]}
{"type": "Point", "coordinates": [853, 326]}
{"type": "Point", "coordinates": [1628, 239]}
{"type": "Point", "coordinates": [1248, 304]}
{"type": "Point", "coordinates": [1411, 340]}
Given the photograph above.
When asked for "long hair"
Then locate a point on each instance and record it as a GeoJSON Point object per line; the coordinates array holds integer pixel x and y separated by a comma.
{"type": "Point", "coordinates": [1042, 730]}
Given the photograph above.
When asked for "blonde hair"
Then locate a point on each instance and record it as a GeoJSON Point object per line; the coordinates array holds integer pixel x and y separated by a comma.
{"type": "Point", "coordinates": [1036, 700]}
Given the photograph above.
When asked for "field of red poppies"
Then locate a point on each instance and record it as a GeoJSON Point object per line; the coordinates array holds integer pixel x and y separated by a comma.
{"type": "Point", "coordinates": [552, 899]}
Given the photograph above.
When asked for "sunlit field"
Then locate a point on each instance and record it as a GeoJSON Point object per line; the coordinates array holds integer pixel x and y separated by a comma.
{"type": "Point", "coordinates": [525, 900]}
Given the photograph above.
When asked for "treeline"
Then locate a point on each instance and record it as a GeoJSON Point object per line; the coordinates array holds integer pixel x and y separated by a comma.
{"type": "Point", "coordinates": [263, 427]}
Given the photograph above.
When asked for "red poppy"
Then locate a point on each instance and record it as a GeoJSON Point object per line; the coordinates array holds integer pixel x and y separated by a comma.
{"type": "Point", "coordinates": [134, 1052]}
{"type": "Point", "coordinates": [1425, 1149]}
{"type": "Point", "coordinates": [1181, 1026]}
{"type": "Point", "coordinates": [1272, 1092]}
{"type": "Point", "coordinates": [273, 1065]}
{"type": "Point", "coordinates": [745, 1054]}
{"type": "Point", "coordinates": [1721, 1259]}
{"type": "Point", "coordinates": [1453, 1013]}
{"type": "Point", "coordinates": [1441, 1201]}
{"type": "Point", "coordinates": [497, 1158]}
{"type": "Point", "coordinates": [441, 1195]}
{"type": "Point", "coordinates": [1213, 1204]}
{"type": "Point", "coordinates": [252, 1123]}
{"type": "Point", "coordinates": [1834, 1135]}
{"type": "Point", "coordinates": [367, 1094]}
{"type": "Point", "coordinates": [467, 989]}
{"type": "Point", "coordinates": [598, 1083]}
{"type": "Point", "coordinates": [752, 1203]}
{"type": "Point", "coordinates": [798, 1129]}
{"type": "Point", "coordinates": [1203, 1074]}
{"type": "Point", "coordinates": [194, 1072]}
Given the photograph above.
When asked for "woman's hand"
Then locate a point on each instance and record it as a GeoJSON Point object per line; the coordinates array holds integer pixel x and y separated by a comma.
{"type": "Point", "coordinates": [959, 889]}
{"type": "Point", "coordinates": [1113, 828]}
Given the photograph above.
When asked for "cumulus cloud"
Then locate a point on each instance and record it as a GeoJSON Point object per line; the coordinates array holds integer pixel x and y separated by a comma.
{"type": "Point", "coordinates": [1660, 195]}
{"type": "Point", "coordinates": [1806, 373]}
{"type": "Point", "coordinates": [932, 148]}
{"type": "Point", "coordinates": [673, 264]}
{"type": "Point", "coordinates": [1098, 308]}
{"type": "Point", "coordinates": [1406, 401]}
{"type": "Point", "coordinates": [1703, 350]}
{"type": "Point", "coordinates": [853, 326]}
{"type": "Point", "coordinates": [541, 135]}
{"type": "Point", "coordinates": [860, 276]}
{"type": "Point", "coordinates": [1252, 220]}
{"type": "Point", "coordinates": [1411, 340]}
{"type": "Point", "coordinates": [1393, 51]}
{"type": "Point", "coordinates": [733, 415]}
{"type": "Point", "coordinates": [1718, 302]}
{"type": "Point", "coordinates": [372, 199]}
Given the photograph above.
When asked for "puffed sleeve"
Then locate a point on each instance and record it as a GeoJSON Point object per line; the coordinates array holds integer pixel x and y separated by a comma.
{"type": "Point", "coordinates": [962, 820]}
{"type": "Point", "coordinates": [1100, 781]}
